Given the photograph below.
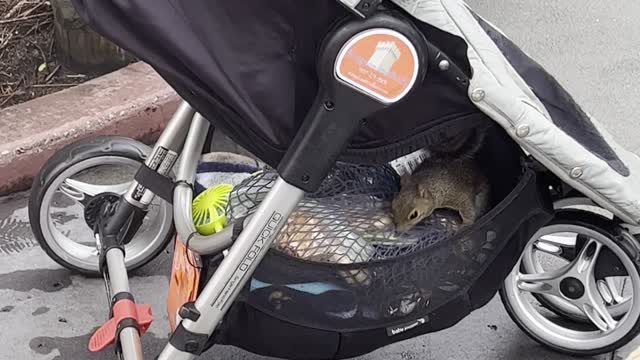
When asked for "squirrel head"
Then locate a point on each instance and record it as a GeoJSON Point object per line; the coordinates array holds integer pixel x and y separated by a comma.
{"type": "Point", "coordinates": [411, 205]}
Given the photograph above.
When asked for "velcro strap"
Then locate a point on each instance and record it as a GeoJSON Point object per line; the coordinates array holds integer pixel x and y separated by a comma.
{"type": "Point", "coordinates": [158, 184]}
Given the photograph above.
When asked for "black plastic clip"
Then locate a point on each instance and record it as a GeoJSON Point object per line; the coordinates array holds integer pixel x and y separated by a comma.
{"type": "Point", "coordinates": [108, 242]}
{"type": "Point", "coordinates": [187, 341]}
{"type": "Point", "coordinates": [121, 296]}
{"type": "Point", "coordinates": [189, 311]}
{"type": "Point", "coordinates": [362, 8]}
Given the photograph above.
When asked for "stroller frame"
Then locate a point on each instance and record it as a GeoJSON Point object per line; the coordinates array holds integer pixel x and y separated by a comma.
{"type": "Point", "coordinates": [331, 122]}
{"type": "Point", "coordinates": [185, 135]}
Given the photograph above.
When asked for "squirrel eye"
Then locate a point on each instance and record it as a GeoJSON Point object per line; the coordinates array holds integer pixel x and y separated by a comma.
{"type": "Point", "coordinates": [413, 215]}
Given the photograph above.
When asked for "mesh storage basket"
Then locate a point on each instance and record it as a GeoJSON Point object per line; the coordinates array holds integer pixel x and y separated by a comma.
{"type": "Point", "coordinates": [339, 264]}
{"type": "Point", "coordinates": [339, 281]}
{"type": "Point", "coordinates": [347, 221]}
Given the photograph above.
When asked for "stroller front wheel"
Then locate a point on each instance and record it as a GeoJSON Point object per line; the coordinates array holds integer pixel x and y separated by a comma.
{"type": "Point", "coordinates": [573, 289]}
{"type": "Point", "coordinates": [81, 173]}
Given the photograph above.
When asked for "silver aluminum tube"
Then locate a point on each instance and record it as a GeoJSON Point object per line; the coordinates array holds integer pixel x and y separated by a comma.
{"type": "Point", "coordinates": [175, 131]}
{"type": "Point", "coordinates": [240, 263]}
{"type": "Point", "coordinates": [182, 217]}
{"type": "Point", "coordinates": [192, 150]}
{"type": "Point", "coordinates": [119, 282]}
{"type": "Point", "coordinates": [183, 194]}
{"type": "Point", "coordinates": [164, 154]}
{"type": "Point", "coordinates": [118, 278]}
{"type": "Point", "coordinates": [130, 344]}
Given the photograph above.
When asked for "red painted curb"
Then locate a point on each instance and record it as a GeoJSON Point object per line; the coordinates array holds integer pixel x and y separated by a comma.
{"type": "Point", "coordinates": [133, 102]}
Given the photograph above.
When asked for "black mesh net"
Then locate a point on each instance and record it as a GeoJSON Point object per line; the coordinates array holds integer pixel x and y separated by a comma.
{"type": "Point", "coordinates": [339, 265]}
{"type": "Point", "coordinates": [347, 221]}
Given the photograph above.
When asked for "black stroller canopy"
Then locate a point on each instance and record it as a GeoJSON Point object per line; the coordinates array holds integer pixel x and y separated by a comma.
{"type": "Point", "coordinates": [250, 68]}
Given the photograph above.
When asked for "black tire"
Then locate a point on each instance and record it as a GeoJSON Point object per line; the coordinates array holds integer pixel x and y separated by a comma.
{"type": "Point", "coordinates": [68, 156]}
{"type": "Point", "coordinates": [607, 228]}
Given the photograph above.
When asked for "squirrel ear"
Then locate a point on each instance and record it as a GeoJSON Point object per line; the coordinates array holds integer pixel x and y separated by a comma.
{"type": "Point", "coordinates": [424, 192]}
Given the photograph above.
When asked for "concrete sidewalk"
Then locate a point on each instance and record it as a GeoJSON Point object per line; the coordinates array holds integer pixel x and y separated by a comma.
{"type": "Point", "coordinates": [133, 102]}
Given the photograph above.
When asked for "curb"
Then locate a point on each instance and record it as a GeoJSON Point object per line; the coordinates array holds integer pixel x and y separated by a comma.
{"type": "Point", "coordinates": [133, 102]}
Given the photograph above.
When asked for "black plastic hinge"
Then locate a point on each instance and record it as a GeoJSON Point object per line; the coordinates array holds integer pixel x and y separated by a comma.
{"type": "Point", "coordinates": [189, 311]}
{"type": "Point", "coordinates": [187, 341]}
{"type": "Point", "coordinates": [362, 8]}
{"type": "Point", "coordinates": [108, 242]}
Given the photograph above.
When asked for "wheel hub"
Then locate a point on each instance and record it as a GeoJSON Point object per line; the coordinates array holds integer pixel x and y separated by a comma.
{"type": "Point", "coordinates": [572, 288]}
{"type": "Point", "coordinates": [92, 209]}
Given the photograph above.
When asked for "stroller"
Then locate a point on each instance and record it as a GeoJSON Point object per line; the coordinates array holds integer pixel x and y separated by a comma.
{"type": "Point", "coordinates": [327, 94]}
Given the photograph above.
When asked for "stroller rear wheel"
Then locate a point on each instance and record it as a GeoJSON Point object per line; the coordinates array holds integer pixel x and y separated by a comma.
{"type": "Point", "coordinates": [81, 176]}
{"type": "Point", "coordinates": [565, 247]}
{"type": "Point", "coordinates": [573, 288]}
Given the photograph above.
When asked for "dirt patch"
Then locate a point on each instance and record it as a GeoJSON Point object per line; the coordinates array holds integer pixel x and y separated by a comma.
{"type": "Point", "coordinates": [28, 64]}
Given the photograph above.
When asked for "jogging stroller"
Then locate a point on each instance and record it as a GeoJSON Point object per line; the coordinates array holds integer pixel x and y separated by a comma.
{"type": "Point", "coordinates": [327, 94]}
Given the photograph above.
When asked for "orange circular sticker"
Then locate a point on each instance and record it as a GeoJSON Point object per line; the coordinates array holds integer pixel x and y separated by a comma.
{"type": "Point", "coordinates": [379, 62]}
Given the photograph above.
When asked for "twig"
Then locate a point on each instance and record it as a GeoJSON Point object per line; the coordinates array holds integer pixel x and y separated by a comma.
{"type": "Point", "coordinates": [15, 93]}
{"type": "Point", "coordinates": [5, 40]}
{"type": "Point", "coordinates": [8, 99]}
{"type": "Point", "coordinates": [37, 26]}
{"type": "Point", "coordinates": [53, 73]}
{"type": "Point", "coordinates": [15, 9]}
{"type": "Point", "coordinates": [30, 17]}
{"type": "Point", "coordinates": [52, 85]}
{"type": "Point", "coordinates": [30, 10]}
{"type": "Point", "coordinates": [44, 56]}
{"type": "Point", "coordinates": [15, 83]}
{"type": "Point", "coordinates": [52, 43]}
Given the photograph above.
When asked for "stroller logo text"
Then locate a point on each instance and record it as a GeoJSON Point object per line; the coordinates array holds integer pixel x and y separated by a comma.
{"type": "Point", "coordinates": [381, 63]}
{"type": "Point", "coordinates": [268, 232]}
{"type": "Point", "coordinates": [403, 328]}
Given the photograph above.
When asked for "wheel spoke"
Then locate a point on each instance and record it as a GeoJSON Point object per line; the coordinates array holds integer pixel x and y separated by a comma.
{"type": "Point", "coordinates": [623, 300]}
{"type": "Point", "coordinates": [600, 317]}
{"type": "Point", "coordinates": [606, 292]}
{"type": "Point", "coordinates": [586, 260]}
{"type": "Point", "coordinates": [542, 283]}
{"type": "Point", "coordinates": [616, 291]}
{"type": "Point", "coordinates": [553, 244]}
{"type": "Point", "coordinates": [82, 192]}
{"type": "Point", "coordinates": [548, 248]}
{"type": "Point", "coordinates": [593, 305]}
{"type": "Point", "coordinates": [559, 239]}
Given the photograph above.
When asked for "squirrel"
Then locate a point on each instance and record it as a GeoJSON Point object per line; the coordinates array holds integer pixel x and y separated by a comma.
{"type": "Point", "coordinates": [447, 179]}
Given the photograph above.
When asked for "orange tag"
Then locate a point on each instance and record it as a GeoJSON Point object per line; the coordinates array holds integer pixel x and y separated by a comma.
{"type": "Point", "coordinates": [382, 63]}
{"type": "Point", "coordinates": [183, 284]}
